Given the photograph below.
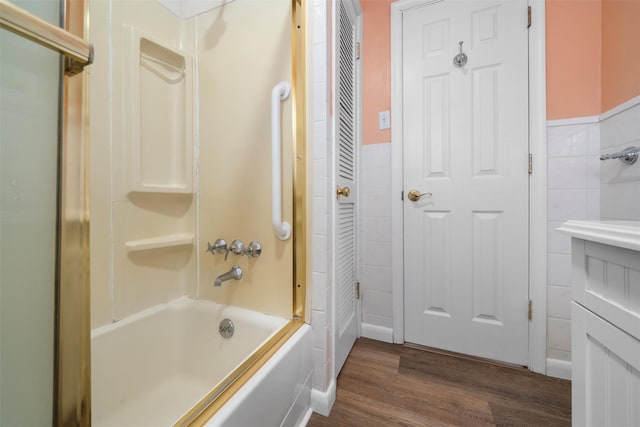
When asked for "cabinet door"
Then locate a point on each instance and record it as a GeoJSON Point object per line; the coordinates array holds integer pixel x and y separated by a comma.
{"type": "Point", "coordinates": [606, 372]}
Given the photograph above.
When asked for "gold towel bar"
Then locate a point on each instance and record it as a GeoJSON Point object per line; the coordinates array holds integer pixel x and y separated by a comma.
{"type": "Point", "coordinates": [24, 24]}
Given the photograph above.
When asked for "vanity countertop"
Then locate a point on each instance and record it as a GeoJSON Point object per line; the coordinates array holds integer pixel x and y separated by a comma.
{"type": "Point", "coordinates": [624, 234]}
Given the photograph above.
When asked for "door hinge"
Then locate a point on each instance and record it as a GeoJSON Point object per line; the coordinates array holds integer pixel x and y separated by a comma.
{"type": "Point", "coordinates": [529, 17]}
{"type": "Point", "coordinates": [530, 164]}
{"type": "Point", "coordinates": [357, 290]}
{"type": "Point", "coordinates": [402, 195]}
{"type": "Point", "coordinates": [357, 50]}
{"type": "Point", "coordinates": [530, 310]}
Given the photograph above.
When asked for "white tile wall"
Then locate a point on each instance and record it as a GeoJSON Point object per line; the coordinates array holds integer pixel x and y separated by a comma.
{"type": "Point", "coordinates": [559, 269]}
{"type": "Point", "coordinates": [573, 193]}
{"type": "Point", "coordinates": [567, 172]}
{"type": "Point", "coordinates": [377, 303]}
{"type": "Point", "coordinates": [319, 291]}
{"type": "Point", "coordinates": [557, 243]}
{"type": "Point", "coordinates": [559, 302]}
{"type": "Point", "coordinates": [621, 201]}
{"type": "Point", "coordinates": [375, 235]}
{"type": "Point", "coordinates": [583, 187]}
{"type": "Point", "coordinates": [552, 353]}
{"type": "Point", "coordinates": [620, 182]}
{"type": "Point", "coordinates": [321, 303]}
{"type": "Point", "coordinates": [559, 334]}
{"type": "Point", "coordinates": [567, 204]}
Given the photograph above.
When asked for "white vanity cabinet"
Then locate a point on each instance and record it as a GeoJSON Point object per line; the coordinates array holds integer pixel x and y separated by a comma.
{"type": "Point", "coordinates": [605, 322]}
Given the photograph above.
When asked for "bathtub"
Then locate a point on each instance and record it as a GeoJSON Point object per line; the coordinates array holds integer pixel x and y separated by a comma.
{"type": "Point", "coordinates": [153, 367]}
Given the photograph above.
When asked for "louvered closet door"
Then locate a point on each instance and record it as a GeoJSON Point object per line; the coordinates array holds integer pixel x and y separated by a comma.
{"type": "Point", "coordinates": [346, 173]}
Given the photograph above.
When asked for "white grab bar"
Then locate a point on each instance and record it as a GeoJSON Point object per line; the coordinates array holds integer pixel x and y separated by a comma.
{"type": "Point", "coordinates": [283, 229]}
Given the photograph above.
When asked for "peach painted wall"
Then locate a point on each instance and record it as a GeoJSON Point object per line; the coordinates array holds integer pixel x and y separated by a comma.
{"type": "Point", "coordinates": [573, 58]}
{"type": "Point", "coordinates": [592, 60]}
{"type": "Point", "coordinates": [620, 52]}
{"type": "Point", "coordinates": [376, 68]}
{"type": "Point", "coordinates": [573, 62]}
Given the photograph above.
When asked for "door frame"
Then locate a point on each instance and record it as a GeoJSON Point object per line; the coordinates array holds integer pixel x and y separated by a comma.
{"type": "Point", "coordinates": [537, 180]}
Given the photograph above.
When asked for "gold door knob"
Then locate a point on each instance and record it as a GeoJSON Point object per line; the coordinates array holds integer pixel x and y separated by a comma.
{"type": "Point", "coordinates": [344, 191]}
{"type": "Point", "coordinates": [415, 195]}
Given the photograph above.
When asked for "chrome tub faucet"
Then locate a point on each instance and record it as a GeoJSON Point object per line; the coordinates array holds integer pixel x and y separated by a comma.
{"type": "Point", "coordinates": [235, 273]}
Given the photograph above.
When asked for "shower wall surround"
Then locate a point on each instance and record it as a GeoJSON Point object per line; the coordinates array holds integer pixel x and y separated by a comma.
{"type": "Point", "coordinates": [169, 95]}
{"type": "Point", "coordinates": [143, 217]}
{"type": "Point", "coordinates": [234, 173]}
{"type": "Point", "coordinates": [189, 8]}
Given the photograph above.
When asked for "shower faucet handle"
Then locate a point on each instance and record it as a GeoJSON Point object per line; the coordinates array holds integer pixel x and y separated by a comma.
{"type": "Point", "coordinates": [219, 246]}
{"type": "Point", "coordinates": [237, 247]}
{"type": "Point", "coordinates": [254, 249]}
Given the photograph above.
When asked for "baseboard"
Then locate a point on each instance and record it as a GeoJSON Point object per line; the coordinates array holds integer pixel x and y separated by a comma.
{"type": "Point", "coordinates": [322, 401]}
{"type": "Point", "coordinates": [378, 333]}
{"type": "Point", "coordinates": [559, 368]}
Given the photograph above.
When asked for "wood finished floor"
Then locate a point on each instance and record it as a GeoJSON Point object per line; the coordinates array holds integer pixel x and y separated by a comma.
{"type": "Point", "coordinates": [392, 385]}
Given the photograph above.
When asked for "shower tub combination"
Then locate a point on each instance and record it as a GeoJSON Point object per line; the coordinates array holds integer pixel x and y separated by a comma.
{"type": "Point", "coordinates": [154, 367]}
{"type": "Point", "coordinates": [169, 364]}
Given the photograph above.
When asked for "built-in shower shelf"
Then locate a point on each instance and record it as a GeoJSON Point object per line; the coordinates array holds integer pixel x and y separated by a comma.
{"type": "Point", "coordinates": [160, 242]}
{"type": "Point", "coordinates": [158, 114]}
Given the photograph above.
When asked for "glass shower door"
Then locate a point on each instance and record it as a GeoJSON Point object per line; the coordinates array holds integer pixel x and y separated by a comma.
{"type": "Point", "coordinates": [29, 135]}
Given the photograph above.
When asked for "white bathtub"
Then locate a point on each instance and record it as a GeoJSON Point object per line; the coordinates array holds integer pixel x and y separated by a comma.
{"type": "Point", "coordinates": [151, 368]}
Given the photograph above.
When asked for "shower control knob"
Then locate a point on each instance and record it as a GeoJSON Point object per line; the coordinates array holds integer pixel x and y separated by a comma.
{"type": "Point", "coordinates": [254, 249]}
{"type": "Point", "coordinates": [219, 246]}
{"type": "Point", "coordinates": [237, 247]}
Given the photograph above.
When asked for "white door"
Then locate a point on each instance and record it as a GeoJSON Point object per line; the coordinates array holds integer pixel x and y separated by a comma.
{"type": "Point", "coordinates": [346, 111]}
{"type": "Point", "coordinates": [465, 141]}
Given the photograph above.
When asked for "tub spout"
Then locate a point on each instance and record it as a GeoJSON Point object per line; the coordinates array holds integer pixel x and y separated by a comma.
{"type": "Point", "coordinates": [235, 273]}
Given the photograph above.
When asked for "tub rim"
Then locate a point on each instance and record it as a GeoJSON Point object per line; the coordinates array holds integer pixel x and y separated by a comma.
{"type": "Point", "coordinates": [206, 408]}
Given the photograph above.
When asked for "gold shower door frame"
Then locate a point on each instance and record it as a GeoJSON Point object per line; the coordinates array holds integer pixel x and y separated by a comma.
{"type": "Point", "coordinates": [72, 376]}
